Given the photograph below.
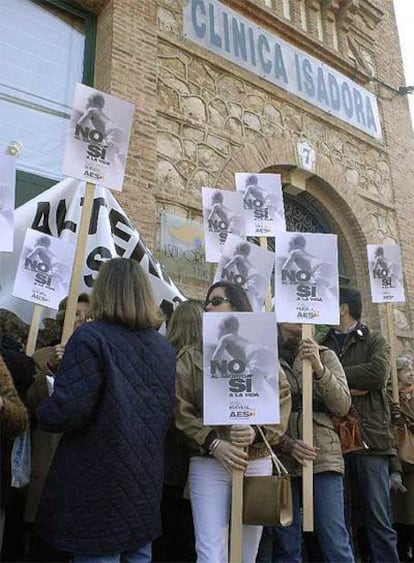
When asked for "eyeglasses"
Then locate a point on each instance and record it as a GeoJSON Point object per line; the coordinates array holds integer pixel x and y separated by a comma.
{"type": "Point", "coordinates": [216, 301]}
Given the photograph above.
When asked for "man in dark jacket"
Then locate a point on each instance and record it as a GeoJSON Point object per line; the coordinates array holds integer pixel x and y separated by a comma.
{"type": "Point", "coordinates": [365, 356]}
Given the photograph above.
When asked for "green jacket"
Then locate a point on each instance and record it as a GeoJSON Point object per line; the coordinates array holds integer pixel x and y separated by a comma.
{"type": "Point", "coordinates": [330, 397]}
{"type": "Point", "coordinates": [365, 357]}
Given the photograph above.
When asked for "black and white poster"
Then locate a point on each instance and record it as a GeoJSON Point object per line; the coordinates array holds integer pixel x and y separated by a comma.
{"type": "Point", "coordinates": [222, 214]}
{"type": "Point", "coordinates": [263, 203]}
{"type": "Point", "coordinates": [97, 145]}
{"type": "Point", "coordinates": [247, 265]}
{"type": "Point", "coordinates": [7, 198]}
{"type": "Point", "coordinates": [306, 278]}
{"type": "Point", "coordinates": [385, 273]}
{"type": "Point", "coordinates": [44, 269]}
{"type": "Point", "coordinates": [240, 368]}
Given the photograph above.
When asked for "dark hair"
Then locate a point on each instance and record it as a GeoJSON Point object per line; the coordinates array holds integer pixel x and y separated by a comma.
{"type": "Point", "coordinates": [231, 324]}
{"type": "Point", "coordinates": [298, 241]}
{"type": "Point", "coordinates": [97, 100]}
{"type": "Point", "coordinates": [243, 248]}
{"type": "Point", "coordinates": [217, 197]}
{"type": "Point", "coordinates": [43, 241]}
{"type": "Point", "coordinates": [351, 297]}
{"type": "Point", "coordinates": [60, 315]}
{"type": "Point", "coordinates": [235, 294]}
{"type": "Point", "coordinates": [253, 179]}
{"type": "Point", "coordinates": [379, 251]}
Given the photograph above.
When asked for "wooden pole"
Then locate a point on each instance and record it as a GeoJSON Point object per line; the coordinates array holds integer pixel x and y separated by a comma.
{"type": "Point", "coordinates": [268, 296]}
{"type": "Point", "coordinates": [78, 262]}
{"type": "Point", "coordinates": [236, 525]}
{"type": "Point", "coordinates": [34, 329]}
{"type": "Point", "coordinates": [307, 421]}
{"type": "Point", "coordinates": [391, 340]}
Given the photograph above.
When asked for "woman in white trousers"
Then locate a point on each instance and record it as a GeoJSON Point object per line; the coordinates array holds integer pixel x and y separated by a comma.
{"type": "Point", "coordinates": [217, 451]}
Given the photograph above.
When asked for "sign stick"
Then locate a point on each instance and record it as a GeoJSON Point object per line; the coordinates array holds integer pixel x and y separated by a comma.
{"type": "Point", "coordinates": [237, 481]}
{"type": "Point", "coordinates": [34, 329]}
{"type": "Point", "coordinates": [268, 297]}
{"type": "Point", "coordinates": [78, 262]}
{"type": "Point", "coordinates": [236, 516]}
{"type": "Point", "coordinates": [391, 340]}
{"type": "Point", "coordinates": [307, 421]}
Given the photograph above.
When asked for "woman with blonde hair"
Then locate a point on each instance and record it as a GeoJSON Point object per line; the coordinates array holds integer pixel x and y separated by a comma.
{"type": "Point", "coordinates": [112, 401]}
{"type": "Point", "coordinates": [184, 332]}
{"type": "Point", "coordinates": [403, 500]}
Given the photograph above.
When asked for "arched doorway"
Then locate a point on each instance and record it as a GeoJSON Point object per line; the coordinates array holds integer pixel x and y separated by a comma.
{"type": "Point", "coordinates": [302, 216]}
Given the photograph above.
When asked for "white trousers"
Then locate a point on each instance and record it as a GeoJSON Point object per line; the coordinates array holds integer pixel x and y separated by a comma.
{"type": "Point", "coordinates": [210, 493]}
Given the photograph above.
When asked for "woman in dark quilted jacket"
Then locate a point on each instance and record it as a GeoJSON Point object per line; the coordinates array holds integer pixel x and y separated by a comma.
{"type": "Point", "coordinates": [113, 401]}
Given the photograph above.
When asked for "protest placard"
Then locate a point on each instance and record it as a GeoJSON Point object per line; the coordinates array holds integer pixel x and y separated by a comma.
{"type": "Point", "coordinates": [248, 265]}
{"type": "Point", "coordinates": [262, 202]}
{"type": "Point", "coordinates": [222, 214]}
{"type": "Point", "coordinates": [385, 273]}
{"type": "Point", "coordinates": [97, 144]}
{"type": "Point", "coordinates": [44, 269]}
{"type": "Point", "coordinates": [306, 278]}
{"type": "Point", "coordinates": [240, 368]}
{"type": "Point", "coordinates": [387, 286]}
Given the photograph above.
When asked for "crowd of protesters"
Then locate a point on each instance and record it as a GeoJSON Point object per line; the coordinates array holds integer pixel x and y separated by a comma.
{"type": "Point", "coordinates": [124, 469]}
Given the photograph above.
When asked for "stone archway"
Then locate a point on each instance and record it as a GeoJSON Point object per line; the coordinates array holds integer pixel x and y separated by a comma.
{"type": "Point", "coordinates": [330, 202]}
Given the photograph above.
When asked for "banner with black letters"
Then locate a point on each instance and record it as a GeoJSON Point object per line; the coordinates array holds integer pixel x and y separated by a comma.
{"type": "Point", "coordinates": [57, 212]}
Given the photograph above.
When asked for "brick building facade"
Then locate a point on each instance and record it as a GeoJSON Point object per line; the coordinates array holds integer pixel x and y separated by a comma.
{"type": "Point", "coordinates": [200, 118]}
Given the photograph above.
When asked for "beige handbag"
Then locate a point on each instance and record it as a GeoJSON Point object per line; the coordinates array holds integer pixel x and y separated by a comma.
{"type": "Point", "coordinates": [404, 440]}
{"type": "Point", "coordinates": [267, 500]}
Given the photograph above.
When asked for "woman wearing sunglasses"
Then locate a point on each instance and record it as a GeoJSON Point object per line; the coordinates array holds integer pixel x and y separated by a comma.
{"type": "Point", "coordinates": [217, 451]}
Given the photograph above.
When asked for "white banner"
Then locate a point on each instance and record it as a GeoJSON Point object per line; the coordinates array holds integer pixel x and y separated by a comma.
{"type": "Point", "coordinates": [306, 278]}
{"type": "Point", "coordinates": [247, 265]}
{"type": "Point", "coordinates": [386, 273]}
{"type": "Point", "coordinates": [240, 368]}
{"type": "Point", "coordinates": [97, 145]}
{"type": "Point", "coordinates": [7, 195]}
{"type": "Point", "coordinates": [263, 203]}
{"type": "Point", "coordinates": [44, 269]}
{"type": "Point", "coordinates": [57, 212]}
{"type": "Point", "coordinates": [222, 214]}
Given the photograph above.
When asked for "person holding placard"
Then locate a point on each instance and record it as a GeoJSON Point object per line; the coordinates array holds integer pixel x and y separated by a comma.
{"type": "Point", "coordinates": [44, 444]}
{"type": "Point", "coordinates": [217, 451]}
{"type": "Point", "coordinates": [185, 332]}
{"type": "Point", "coordinates": [113, 401]}
{"type": "Point", "coordinates": [330, 396]}
{"type": "Point", "coordinates": [365, 357]}
{"type": "Point", "coordinates": [403, 499]}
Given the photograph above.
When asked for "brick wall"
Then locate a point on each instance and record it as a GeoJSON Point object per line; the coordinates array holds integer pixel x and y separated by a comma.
{"type": "Point", "coordinates": [200, 118]}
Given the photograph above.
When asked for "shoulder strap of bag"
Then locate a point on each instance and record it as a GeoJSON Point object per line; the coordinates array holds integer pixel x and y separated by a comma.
{"type": "Point", "coordinates": [278, 465]}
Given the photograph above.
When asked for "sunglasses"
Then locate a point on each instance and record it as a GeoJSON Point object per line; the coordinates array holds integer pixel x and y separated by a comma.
{"type": "Point", "coordinates": [216, 301]}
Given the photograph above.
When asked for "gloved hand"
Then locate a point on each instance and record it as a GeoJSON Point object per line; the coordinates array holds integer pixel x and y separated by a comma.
{"type": "Point", "coordinates": [396, 483]}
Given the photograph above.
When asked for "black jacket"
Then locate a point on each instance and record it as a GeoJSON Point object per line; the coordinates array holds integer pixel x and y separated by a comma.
{"type": "Point", "coordinates": [113, 401]}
